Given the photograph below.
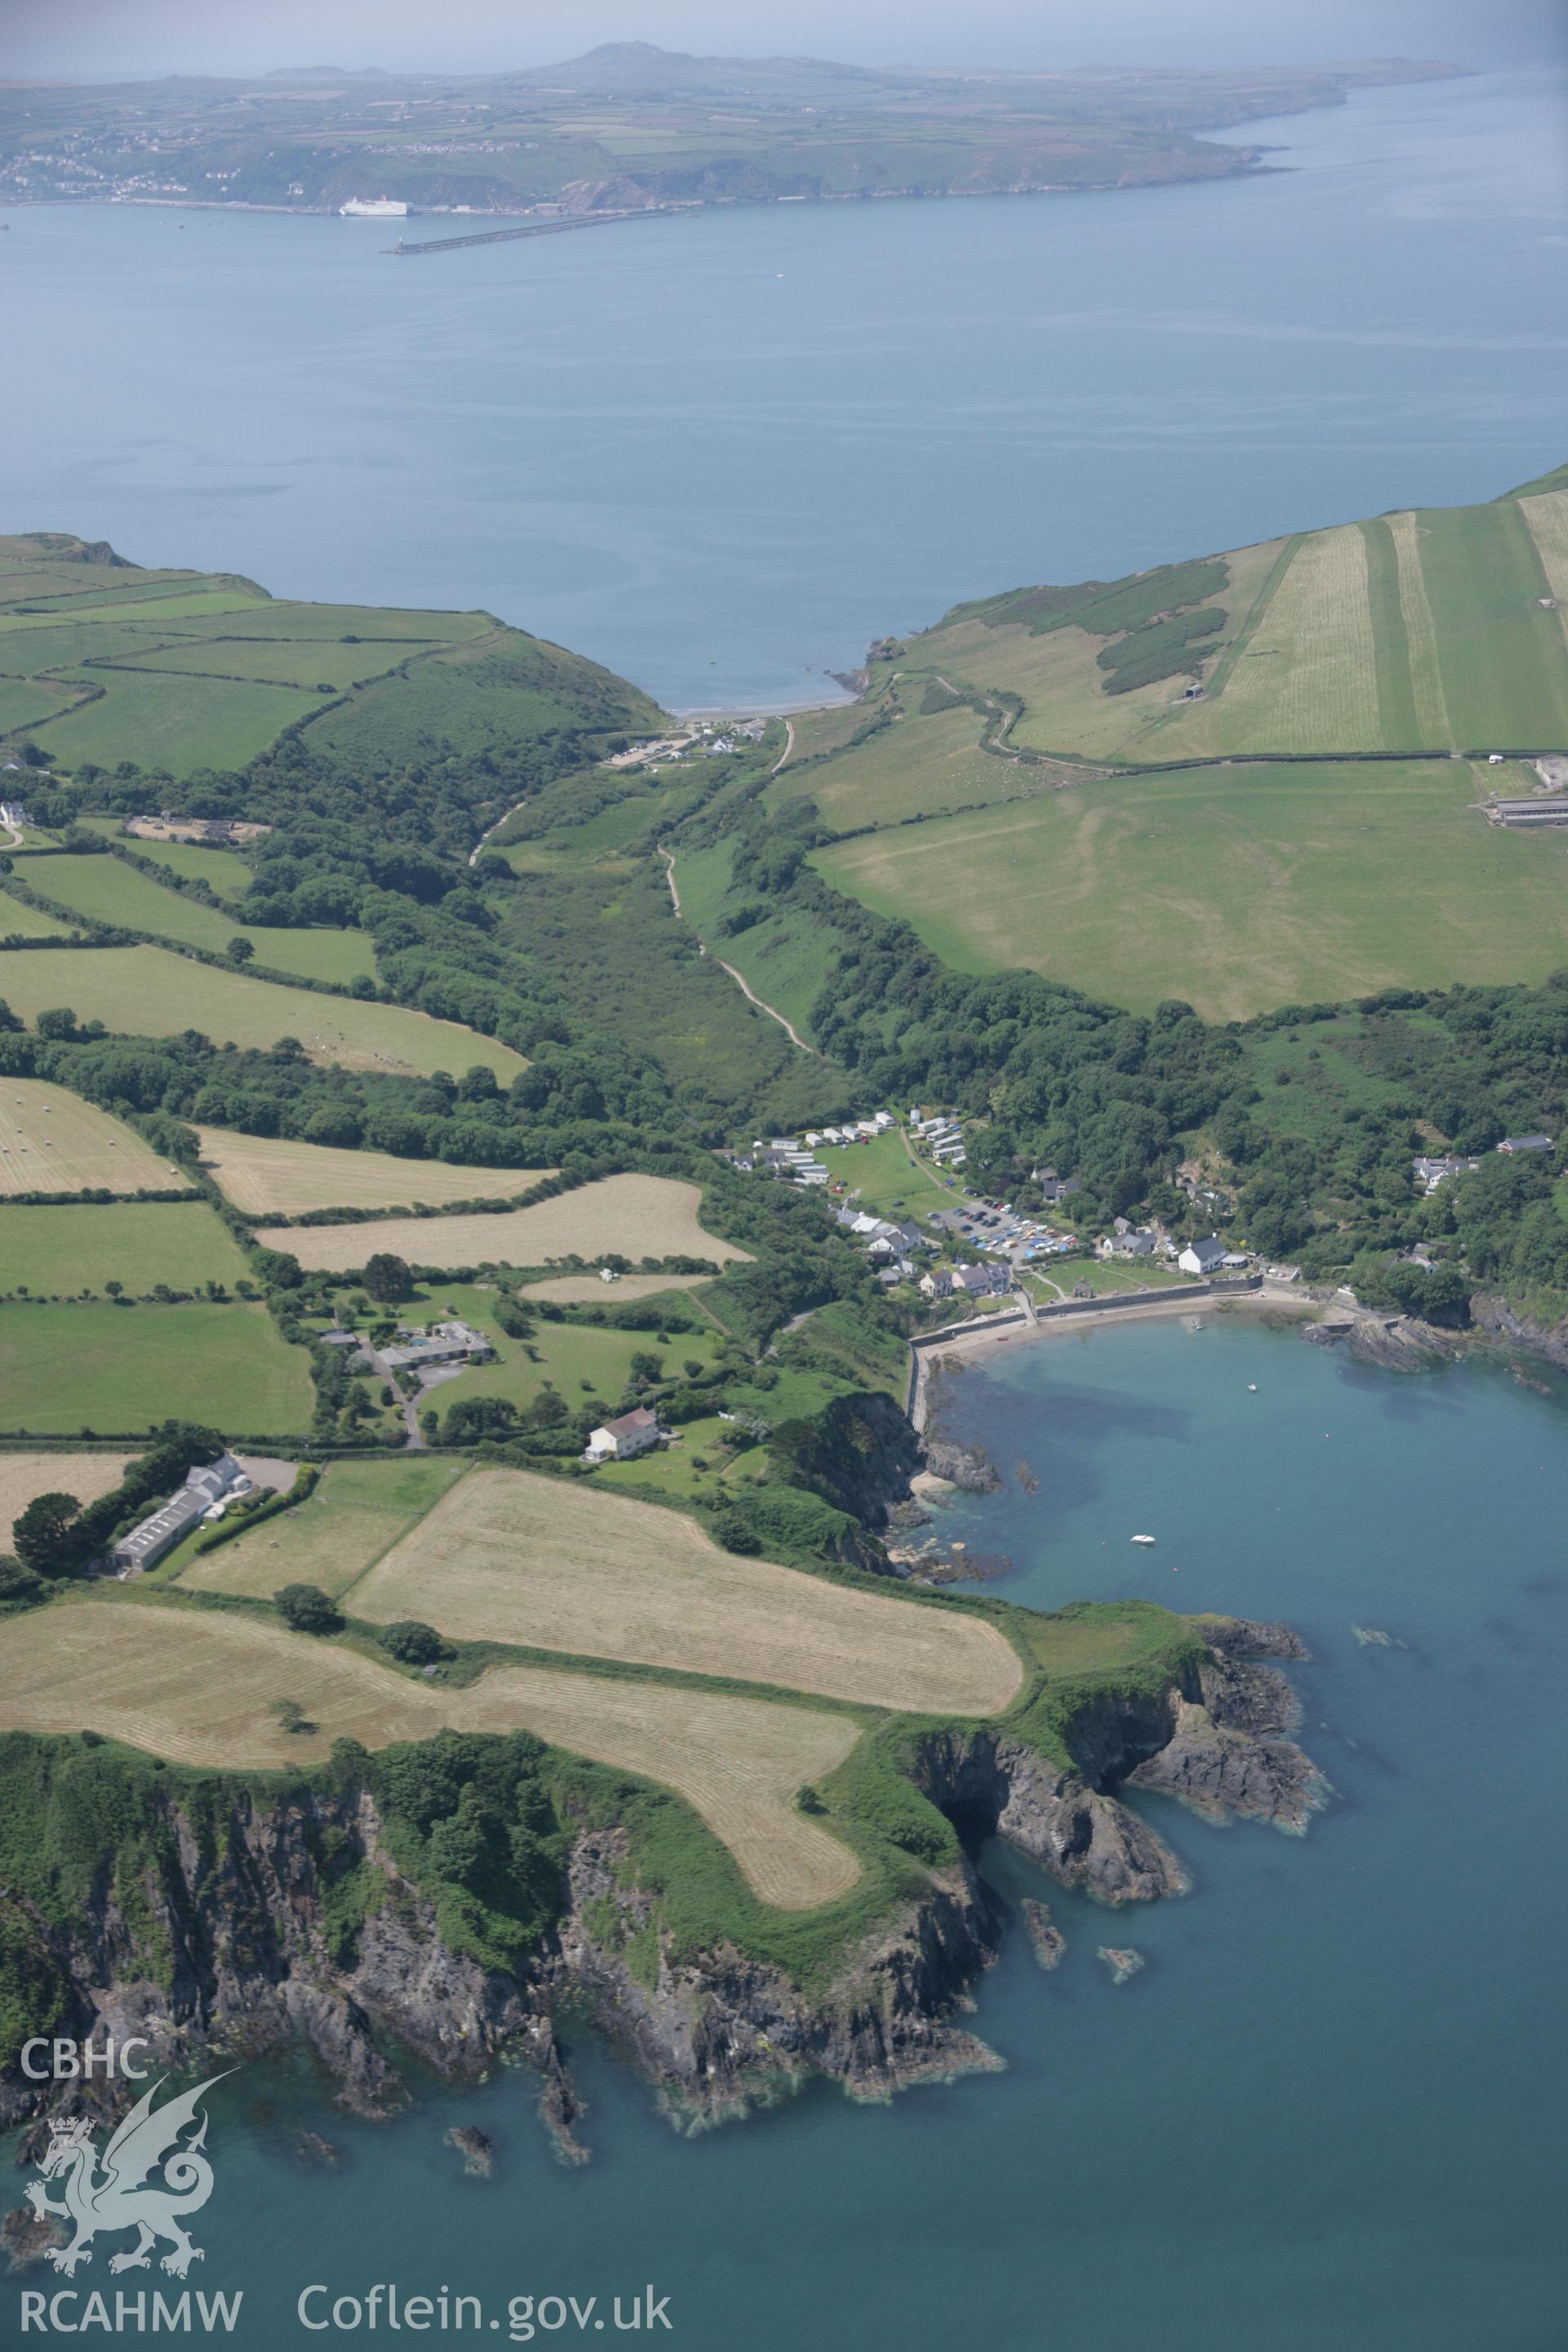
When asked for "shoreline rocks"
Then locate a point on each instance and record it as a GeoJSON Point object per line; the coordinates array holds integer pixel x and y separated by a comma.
{"type": "Point", "coordinates": [1122, 1961]}
{"type": "Point", "coordinates": [1048, 1942]}
{"type": "Point", "coordinates": [477, 2149]}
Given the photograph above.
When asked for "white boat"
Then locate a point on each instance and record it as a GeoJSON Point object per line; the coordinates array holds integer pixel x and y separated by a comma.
{"type": "Point", "coordinates": [1144, 1539]}
{"type": "Point", "coordinates": [1252, 1388]}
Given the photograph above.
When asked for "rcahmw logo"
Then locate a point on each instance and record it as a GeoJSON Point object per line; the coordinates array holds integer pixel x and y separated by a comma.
{"type": "Point", "coordinates": [148, 2180]}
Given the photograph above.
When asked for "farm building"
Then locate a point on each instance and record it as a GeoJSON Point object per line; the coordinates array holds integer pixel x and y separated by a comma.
{"type": "Point", "coordinates": [623, 1439]}
{"type": "Point", "coordinates": [1529, 813]}
{"type": "Point", "coordinates": [444, 1343]}
{"type": "Point", "coordinates": [205, 1491]}
{"type": "Point", "coordinates": [1525, 1143]}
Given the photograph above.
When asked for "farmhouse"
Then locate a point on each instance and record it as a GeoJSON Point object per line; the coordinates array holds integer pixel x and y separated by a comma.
{"type": "Point", "coordinates": [1202, 1257]}
{"type": "Point", "coordinates": [623, 1439]}
{"type": "Point", "coordinates": [206, 1492]}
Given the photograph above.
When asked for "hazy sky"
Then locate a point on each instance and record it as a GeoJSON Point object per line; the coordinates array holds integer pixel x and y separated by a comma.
{"type": "Point", "coordinates": [137, 37]}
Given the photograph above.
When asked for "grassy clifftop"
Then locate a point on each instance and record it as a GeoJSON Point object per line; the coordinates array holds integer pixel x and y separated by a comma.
{"type": "Point", "coordinates": [102, 659]}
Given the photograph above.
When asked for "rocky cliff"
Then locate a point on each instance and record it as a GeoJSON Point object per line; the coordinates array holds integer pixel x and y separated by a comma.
{"type": "Point", "coordinates": [257, 1958]}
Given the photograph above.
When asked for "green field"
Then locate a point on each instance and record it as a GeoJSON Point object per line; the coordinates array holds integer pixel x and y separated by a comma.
{"type": "Point", "coordinates": [172, 723]}
{"type": "Point", "coordinates": [68, 1368]}
{"type": "Point", "coordinates": [21, 922]}
{"type": "Point", "coordinates": [146, 991]}
{"type": "Point", "coordinates": [228, 874]}
{"type": "Point", "coordinates": [109, 891]}
{"type": "Point", "coordinates": [317, 665]}
{"type": "Point", "coordinates": [60, 1251]}
{"type": "Point", "coordinates": [1503, 660]}
{"type": "Point", "coordinates": [359, 1511]}
{"type": "Point", "coordinates": [183, 671]}
{"type": "Point", "coordinates": [1236, 888]}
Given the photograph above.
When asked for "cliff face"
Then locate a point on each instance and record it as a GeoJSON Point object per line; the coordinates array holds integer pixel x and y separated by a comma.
{"type": "Point", "coordinates": [253, 1969]}
{"type": "Point", "coordinates": [1494, 1315]}
{"type": "Point", "coordinates": [860, 1455]}
{"type": "Point", "coordinates": [247, 1918]}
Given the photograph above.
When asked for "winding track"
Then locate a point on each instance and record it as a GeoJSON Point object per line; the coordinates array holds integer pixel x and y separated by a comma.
{"type": "Point", "coordinates": [741, 982]}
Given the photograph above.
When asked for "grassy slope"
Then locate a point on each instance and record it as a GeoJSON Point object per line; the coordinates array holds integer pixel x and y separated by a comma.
{"type": "Point", "coordinates": [1236, 888]}
{"type": "Point", "coordinates": [147, 992]}
{"type": "Point", "coordinates": [785, 957]}
{"type": "Point", "coordinates": [68, 1369]}
{"type": "Point", "coordinates": [109, 891]}
{"type": "Point", "coordinates": [1324, 652]}
{"type": "Point", "coordinates": [189, 671]}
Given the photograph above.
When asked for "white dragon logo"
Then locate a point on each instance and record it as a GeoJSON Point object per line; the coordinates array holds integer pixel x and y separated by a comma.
{"type": "Point", "coordinates": [115, 2199]}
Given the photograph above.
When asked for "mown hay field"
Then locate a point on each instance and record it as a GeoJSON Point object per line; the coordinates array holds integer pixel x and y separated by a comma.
{"type": "Point", "coordinates": [108, 890]}
{"type": "Point", "coordinates": [69, 1371]}
{"type": "Point", "coordinates": [1548, 519]}
{"type": "Point", "coordinates": [1307, 679]}
{"type": "Point", "coordinates": [59, 1251]}
{"type": "Point", "coordinates": [52, 1141]}
{"type": "Point", "coordinates": [636, 1216]}
{"type": "Point", "coordinates": [267, 1177]}
{"type": "Point", "coordinates": [144, 992]}
{"type": "Point", "coordinates": [1238, 889]}
{"type": "Point", "coordinates": [198, 1688]}
{"type": "Point", "coordinates": [358, 1511]}
{"type": "Point", "coordinates": [592, 1290]}
{"type": "Point", "coordinates": [508, 1557]}
{"type": "Point", "coordinates": [25, 1476]}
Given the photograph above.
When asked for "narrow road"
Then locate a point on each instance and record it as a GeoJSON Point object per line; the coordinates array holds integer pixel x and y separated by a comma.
{"type": "Point", "coordinates": [741, 982]}
{"type": "Point", "coordinates": [474, 853]}
{"type": "Point", "coordinates": [787, 754]}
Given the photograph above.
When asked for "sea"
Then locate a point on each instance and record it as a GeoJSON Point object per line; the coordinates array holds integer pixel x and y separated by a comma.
{"type": "Point", "coordinates": [720, 454]}
{"type": "Point", "coordinates": [1326, 2115]}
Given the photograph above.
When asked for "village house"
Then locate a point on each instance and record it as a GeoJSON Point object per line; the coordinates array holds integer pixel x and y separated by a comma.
{"type": "Point", "coordinates": [205, 1494]}
{"type": "Point", "coordinates": [623, 1439]}
{"type": "Point", "coordinates": [1128, 1244]}
{"type": "Point", "coordinates": [1204, 1257]}
{"type": "Point", "coordinates": [1525, 1143]}
{"type": "Point", "coordinates": [1429, 1173]}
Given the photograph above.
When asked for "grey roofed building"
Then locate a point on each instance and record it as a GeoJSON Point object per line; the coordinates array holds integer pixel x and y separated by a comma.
{"type": "Point", "coordinates": [1525, 1143]}
{"type": "Point", "coordinates": [446, 1343]}
{"type": "Point", "coordinates": [146, 1544]}
{"type": "Point", "coordinates": [1202, 1257]}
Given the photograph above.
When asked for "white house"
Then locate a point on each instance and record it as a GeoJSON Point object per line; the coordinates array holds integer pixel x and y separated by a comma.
{"type": "Point", "coordinates": [623, 1439]}
{"type": "Point", "coordinates": [1202, 1257]}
